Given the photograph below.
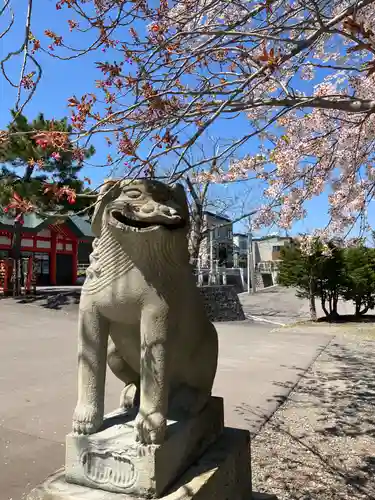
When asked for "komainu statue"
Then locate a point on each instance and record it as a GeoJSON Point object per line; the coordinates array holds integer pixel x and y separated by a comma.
{"type": "Point", "coordinates": [141, 311]}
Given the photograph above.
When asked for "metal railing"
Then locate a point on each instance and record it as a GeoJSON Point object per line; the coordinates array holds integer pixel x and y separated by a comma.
{"type": "Point", "coordinates": [268, 267]}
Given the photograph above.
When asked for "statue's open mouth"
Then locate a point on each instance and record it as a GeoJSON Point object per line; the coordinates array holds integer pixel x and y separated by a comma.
{"type": "Point", "coordinates": [140, 225]}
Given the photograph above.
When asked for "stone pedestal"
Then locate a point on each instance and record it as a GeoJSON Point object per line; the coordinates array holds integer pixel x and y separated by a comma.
{"type": "Point", "coordinates": [221, 473]}
{"type": "Point", "coordinates": [112, 461]}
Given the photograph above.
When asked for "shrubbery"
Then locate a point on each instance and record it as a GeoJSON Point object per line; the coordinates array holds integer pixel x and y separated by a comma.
{"type": "Point", "coordinates": [330, 272]}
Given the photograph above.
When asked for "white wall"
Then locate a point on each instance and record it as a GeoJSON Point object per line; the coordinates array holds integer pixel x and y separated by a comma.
{"type": "Point", "coordinates": [263, 248]}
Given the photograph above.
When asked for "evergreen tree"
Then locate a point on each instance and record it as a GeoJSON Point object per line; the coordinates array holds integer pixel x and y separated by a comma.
{"type": "Point", "coordinates": [37, 173]}
{"type": "Point", "coordinates": [29, 163]}
{"type": "Point", "coordinates": [299, 270]}
{"type": "Point", "coordinates": [330, 276]}
{"type": "Point", "coordinates": [359, 285]}
{"type": "Point", "coordinates": [319, 273]}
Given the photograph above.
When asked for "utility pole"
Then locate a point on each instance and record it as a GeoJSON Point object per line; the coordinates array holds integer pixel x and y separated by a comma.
{"type": "Point", "coordinates": [211, 257]}
{"type": "Point", "coordinates": [250, 262]}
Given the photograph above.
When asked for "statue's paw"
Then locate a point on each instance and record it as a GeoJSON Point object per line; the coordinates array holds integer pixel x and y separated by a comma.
{"type": "Point", "coordinates": [150, 429]}
{"type": "Point", "coordinates": [129, 397]}
{"type": "Point", "coordinates": [87, 419]}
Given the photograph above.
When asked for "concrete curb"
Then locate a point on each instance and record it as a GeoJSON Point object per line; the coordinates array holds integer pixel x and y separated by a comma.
{"type": "Point", "coordinates": [293, 387]}
{"type": "Point", "coordinates": [263, 320]}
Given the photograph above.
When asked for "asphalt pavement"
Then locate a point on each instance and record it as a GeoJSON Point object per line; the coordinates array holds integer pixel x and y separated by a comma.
{"type": "Point", "coordinates": [280, 306]}
{"type": "Point", "coordinates": [258, 368]}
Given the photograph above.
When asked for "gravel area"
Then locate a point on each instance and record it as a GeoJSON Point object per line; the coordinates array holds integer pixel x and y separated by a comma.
{"type": "Point", "coordinates": [321, 443]}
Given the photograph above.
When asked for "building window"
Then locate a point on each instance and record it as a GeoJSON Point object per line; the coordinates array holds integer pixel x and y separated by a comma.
{"type": "Point", "coordinates": [223, 255]}
{"type": "Point", "coordinates": [276, 248]}
{"type": "Point", "coordinates": [42, 263]}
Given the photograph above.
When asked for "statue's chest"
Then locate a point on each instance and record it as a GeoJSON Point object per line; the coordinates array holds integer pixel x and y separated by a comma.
{"type": "Point", "coordinates": [109, 268]}
{"type": "Point", "coordinates": [116, 291]}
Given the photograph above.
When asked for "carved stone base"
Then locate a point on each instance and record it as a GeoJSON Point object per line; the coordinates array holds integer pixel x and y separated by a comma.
{"type": "Point", "coordinates": [112, 461]}
{"type": "Point", "coordinates": [222, 473]}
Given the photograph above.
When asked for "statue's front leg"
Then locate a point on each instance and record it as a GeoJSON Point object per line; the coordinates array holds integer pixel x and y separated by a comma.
{"type": "Point", "coordinates": [93, 333]}
{"type": "Point", "coordinates": [151, 421]}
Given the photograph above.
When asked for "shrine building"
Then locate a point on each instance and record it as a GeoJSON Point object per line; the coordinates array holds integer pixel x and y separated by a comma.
{"type": "Point", "coordinates": [58, 247]}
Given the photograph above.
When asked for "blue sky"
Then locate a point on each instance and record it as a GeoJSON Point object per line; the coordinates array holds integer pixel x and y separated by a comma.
{"type": "Point", "coordinates": [62, 79]}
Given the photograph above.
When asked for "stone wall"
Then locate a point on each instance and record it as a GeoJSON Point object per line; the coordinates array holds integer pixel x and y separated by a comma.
{"type": "Point", "coordinates": [222, 303]}
{"type": "Point", "coordinates": [263, 280]}
{"type": "Point", "coordinates": [259, 280]}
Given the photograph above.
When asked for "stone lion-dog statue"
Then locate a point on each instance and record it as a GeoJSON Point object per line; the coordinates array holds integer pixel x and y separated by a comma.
{"type": "Point", "coordinates": [140, 310]}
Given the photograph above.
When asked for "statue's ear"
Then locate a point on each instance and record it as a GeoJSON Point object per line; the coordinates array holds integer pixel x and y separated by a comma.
{"type": "Point", "coordinates": [181, 198]}
{"type": "Point", "coordinates": [108, 192]}
{"type": "Point", "coordinates": [180, 194]}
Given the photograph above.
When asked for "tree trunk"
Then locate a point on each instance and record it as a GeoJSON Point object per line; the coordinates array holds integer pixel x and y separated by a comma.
{"type": "Point", "coordinates": [367, 305]}
{"type": "Point", "coordinates": [358, 307]}
{"type": "Point", "coordinates": [313, 315]}
{"type": "Point", "coordinates": [364, 311]}
{"type": "Point", "coordinates": [16, 256]}
{"type": "Point", "coordinates": [28, 173]}
{"type": "Point", "coordinates": [335, 300]}
{"type": "Point", "coordinates": [323, 303]}
{"type": "Point", "coordinates": [330, 305]}
{"type": "Point", "coordinates": [312, 305]}
{"type": "Point", "coordinates": [195, 235]}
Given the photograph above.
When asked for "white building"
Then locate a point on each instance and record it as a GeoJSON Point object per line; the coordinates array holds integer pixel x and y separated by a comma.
{"type": "Point", "coordinates": [240, 242]}
{"type": "Point", "coordinates": [266, 249]}
{"type": "Point", "coordinates": [217, 240]}
{"type": "Point", "coordinates": [266, 254]}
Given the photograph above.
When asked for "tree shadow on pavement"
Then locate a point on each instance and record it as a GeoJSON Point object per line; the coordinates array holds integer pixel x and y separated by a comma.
{"type": "Point", "coordinates": [52, 300]}
{"type": "Point", "coordinates": [321, 442]}
{"type": "Point", "coordinates": [348, 318]}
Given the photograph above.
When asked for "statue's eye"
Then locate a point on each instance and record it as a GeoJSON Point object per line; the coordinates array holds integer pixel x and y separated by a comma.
{"type": "Point", "coordinates": [133, 194]}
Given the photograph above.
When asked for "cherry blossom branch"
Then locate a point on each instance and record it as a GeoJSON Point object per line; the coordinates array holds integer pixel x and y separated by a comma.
{"type": "Point", "coordinates": [184, 66]}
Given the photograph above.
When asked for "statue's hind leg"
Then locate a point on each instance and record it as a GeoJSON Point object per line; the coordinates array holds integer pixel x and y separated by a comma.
{"type": "Point", "coordinates": [187, 401]}
{"type": "Point", "coordinates": [130, 394]}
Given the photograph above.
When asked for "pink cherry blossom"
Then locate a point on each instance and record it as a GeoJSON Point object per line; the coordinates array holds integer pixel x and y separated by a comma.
{"type": "Point", "coordinates": [301, 73]}
{"type": "Point", "coordinates": [56, 156]}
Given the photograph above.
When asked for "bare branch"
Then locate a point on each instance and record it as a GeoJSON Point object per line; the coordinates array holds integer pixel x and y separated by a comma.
{"type": "Point", "coordinates": [25, 51]}
{"type": "Point", "coordinates": [340, 103]}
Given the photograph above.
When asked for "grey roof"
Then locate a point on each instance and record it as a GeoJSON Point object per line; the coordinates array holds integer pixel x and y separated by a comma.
{"type": "Point", "coordinates": [271, 236]}
{"type": "Point", "coordinates": [31, 221]}
{"type": "Point", "coordinates": [83, 224]}
{"type": "Point", "coordinates": [221, 217]}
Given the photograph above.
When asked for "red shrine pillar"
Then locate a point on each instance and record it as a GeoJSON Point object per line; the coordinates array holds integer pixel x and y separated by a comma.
{"type": "Point", "coordinates": [75, 261]}
{"type": "Point", "coordinates": [52, 263]}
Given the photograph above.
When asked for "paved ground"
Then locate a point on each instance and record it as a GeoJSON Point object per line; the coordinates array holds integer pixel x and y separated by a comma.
{"type": "Point", "coordinates": [257, 370]}
{"type": "Point", "coordinates": [276, 305]}
{"type": "Point", "coordinates": [280, 306]}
